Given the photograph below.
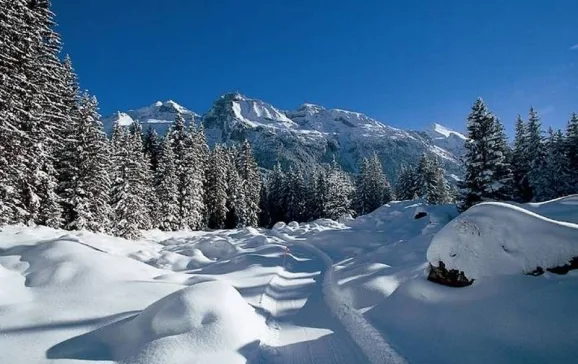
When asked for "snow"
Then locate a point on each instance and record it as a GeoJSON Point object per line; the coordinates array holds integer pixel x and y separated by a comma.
{"type": "Point", "coordinates": [446, 132]}
{"type": "Point", "coordinates": [349, 291]}
{"type": "Point", "coordinates": [493, 239]}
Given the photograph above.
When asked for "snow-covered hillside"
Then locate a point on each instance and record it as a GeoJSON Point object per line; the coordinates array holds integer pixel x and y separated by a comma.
{"type": "Point", "coordinates": [353, 291]}
{"type": "Point", "coordinates": [309, 135]}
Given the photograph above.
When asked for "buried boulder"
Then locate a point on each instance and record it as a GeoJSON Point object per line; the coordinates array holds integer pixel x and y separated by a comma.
{"type": "Point", "coordinates": [206, 322]}
{"type": "Point", "coordinates": [494, 239]}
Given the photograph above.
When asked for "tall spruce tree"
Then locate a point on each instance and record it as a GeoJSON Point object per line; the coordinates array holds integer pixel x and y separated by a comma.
{"type": "Point", "coordinates": [216, 189]}
{"type": "Point", "coordinates": [152, 147]}
{"type": "Point", "coordinates": [536, 154]}
{"type": "Point", "coordinates": [340, 192]}
{"type": "Point", "coordinates": [127, 202]}
{"type": "Point", "coordinates": [372, 187]}
{"type": "Point", "coordinates": [295, 196]}
{"type": "Point", "coordinates": [554, 176]}
{"type": "Point", "coordinates": [571, 152]}
{"type": "Point", "coordinates": [166, 183]}
{"type": "Point", "coordinates": [276, 186]}
{"type": "Point", "coordinates": [520, 164]}
{"type": "Point", "coordinates": [249, 173]}
{"type": "Point", "coordinates": [85, 182]}
{"type": "Point", "coordinates": [485, 160]}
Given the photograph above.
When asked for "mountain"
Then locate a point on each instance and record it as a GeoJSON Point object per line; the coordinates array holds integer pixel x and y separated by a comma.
{"type": "Point", "coordinates": [159, 115]}
{"type": "Point", "coordinates": [308, 136]}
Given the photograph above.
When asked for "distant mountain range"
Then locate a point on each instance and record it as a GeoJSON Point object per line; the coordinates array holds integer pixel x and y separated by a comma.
{"type": "Point", "coordinates": [306, 137]}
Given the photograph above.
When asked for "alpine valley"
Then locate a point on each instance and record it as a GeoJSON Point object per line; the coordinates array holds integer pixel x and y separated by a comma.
{"type": "Point", "coordinates": [309, 136]}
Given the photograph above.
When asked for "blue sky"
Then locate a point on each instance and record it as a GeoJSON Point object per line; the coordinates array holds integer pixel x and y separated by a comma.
{"type": "Point", "coordinates": [406, 63]}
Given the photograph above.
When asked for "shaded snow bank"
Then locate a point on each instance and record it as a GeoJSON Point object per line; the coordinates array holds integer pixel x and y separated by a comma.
{"type": "Point", "coordinates": [493, 239]}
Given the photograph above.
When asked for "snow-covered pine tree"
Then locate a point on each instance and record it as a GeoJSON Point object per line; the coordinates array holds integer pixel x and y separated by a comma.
{"type": "Point", "coordinates": [405, 186]}
{"type": "Point", "coordinates": [484, 161]}
{"type": "Point", "coordinates": [18, 50]}
{"type": "Point", "coordinates": [536, 154]}
{"type": "Point", "coordinates": [295, 196]}
{"type": "Point", "coordinates": [372, 187]}
{"type": "Point", "coordinates": [276, 186]}
{"type": "Point", "coordinates": [127, 203]}
{"type": "Point", "coordinates": [520, 164]}
{"type": "Point", "coordinates": [167, 189]}
{"type": "Point", "coordinates": [85, 182]}
{"type": "Point", "coordinates": [431, 183]}
{"type": "Point", "coordinates": [190, 175]}
{"type": "Point", "coordinates": [320, 198]}
{"type": "Point", "coordinates": [340, 191]}
{"type": "Point", "coordinates": [249, 172]}
{"type": "Point", "coordinates": [571, 147]}
{"type": "Point", "coordinates": [141, 179]}
{"type": "Point", "coordinates": [216, 189]}
{"type": "Point", "coordinates": [152, 147]}
{"type": "Point", "coordinates": [237, 209]}
{"type": "Point", "coordinates": [554, 176]}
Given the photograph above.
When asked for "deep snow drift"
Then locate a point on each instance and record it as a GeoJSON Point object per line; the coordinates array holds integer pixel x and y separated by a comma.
{"type": "Point", "coordinates": [353, 291]}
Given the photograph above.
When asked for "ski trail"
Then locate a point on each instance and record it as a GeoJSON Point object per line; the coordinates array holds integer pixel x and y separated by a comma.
{"type": "Point", "coordinates": [351, 326]}
{"type": "Point", "coordinates": [301, 327]}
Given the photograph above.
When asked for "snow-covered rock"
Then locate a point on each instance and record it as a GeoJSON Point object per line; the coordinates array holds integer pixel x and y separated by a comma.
{"type": "Point", "coordinates": [493, 239]}
{"type": "Point", "coordinates": [202, 323]}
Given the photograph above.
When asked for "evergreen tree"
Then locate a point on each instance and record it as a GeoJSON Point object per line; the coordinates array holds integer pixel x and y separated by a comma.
{"type": "Point", "coordinates": [340, 191]}
{"type": "Point", "coordinates": [372, 188]}
{"type": "Point", "coordinates": [237, 209]}
{"type": "Point", "coordinates": [536, 154]}
{"type": "Point", "coordinates": [276, 186]}
{"type": "Point", "coordinates": [167, 189]}
{"type": "Point", "coordinates": [152, 147]}
{"type": "Point", "coordinates": [85, 183]}
{"type": "Point", "coordinates": [406, 184]}
{"type": "Point", "coordinates": [190, 175]}
{"type": "Point", "coordinates": [485, 161]}
{"type": "Point", "coordinates": [571, 151]}
{"type": "Point", "coordinates": [520, 164]}
{"type": "Point", "coordinates": [294, 196]}
{"type": "Point", "coordinates": [128, 205]}
{"type": "Point", "coordinates": [216, 189]}
{"type": "Point", "coordinates": [554, 176]}
{"type": "Point", "coordinates": [249, 173]}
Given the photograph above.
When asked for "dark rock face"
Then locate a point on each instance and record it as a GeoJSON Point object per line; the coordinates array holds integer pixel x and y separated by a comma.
{"type": "Point", "coordinates": [451, 278]}
{"type": "Point", "coordinates": [563, 269]}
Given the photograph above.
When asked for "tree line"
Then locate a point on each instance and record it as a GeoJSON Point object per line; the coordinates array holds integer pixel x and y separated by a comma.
{"type": "Point", "coordinates": [538, 166]}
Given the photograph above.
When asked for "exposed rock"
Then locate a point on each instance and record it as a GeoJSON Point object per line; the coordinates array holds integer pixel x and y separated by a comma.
{"type": "Point", "coordinates": [452, 277]}
{"type": "Point", "coordinates": [563, 269]}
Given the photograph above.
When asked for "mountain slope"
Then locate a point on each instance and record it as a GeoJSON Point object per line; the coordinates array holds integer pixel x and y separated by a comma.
{"type": "Point", "coordinates": [308, 136]}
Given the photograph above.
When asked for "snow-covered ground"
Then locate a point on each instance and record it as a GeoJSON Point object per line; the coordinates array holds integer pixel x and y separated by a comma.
{"type": "Point", "coordinates": [353, 291]}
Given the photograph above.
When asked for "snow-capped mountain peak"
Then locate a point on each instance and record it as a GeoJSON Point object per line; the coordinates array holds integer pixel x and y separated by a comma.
{"type": "Point", "coordinates": [308, 136]}
{"type": "Point", "coordinates": [161, 114]}
{"type": "Point", "coordinates": [444, 131]}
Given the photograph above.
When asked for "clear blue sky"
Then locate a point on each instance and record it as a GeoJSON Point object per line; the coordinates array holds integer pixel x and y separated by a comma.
{"type": "Point", "coordinates": [406, 63]}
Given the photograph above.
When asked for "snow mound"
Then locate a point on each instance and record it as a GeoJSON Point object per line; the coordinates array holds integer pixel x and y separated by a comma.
{"type": "Point", "coordinates": [493, 239]}
{"type": "Point", "coordinates": [206, 322]}
{"type": "Point", "coordinates": [562, 209]}
{"type": "Point", "coordinates": [209, 246]}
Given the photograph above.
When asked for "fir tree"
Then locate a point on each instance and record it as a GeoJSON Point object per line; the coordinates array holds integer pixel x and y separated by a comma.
{"type": "Point", "coordinates": [571, 152]}
{"type": "Point", "coordinates": [520, 164]}
{"type": "Point", "coordinates": [152, 147]}
{"type": "Point", "coordinates": [216, 189]}
{"type": "Point", "coordinates": [167, 189]}
{"type": "Point", "coordinates": [237, 209]}
{"type": "Point", "coordinates": [294, 196]}
{"type": "Point", "coordinates": [372, 188]}
{"type": "Point", "coordinates": [276, 186]}
{"type": "Point", "coordinates": [485, 161]}
{"type": "Point", "coordinates": [128, 204]}
{"type": "Point", "coordinates": [536, 154]}
{"type": "Point", "coordinates": [249, 173]}
{"type": "Point", "coordinates": [340, 191]}
{"type": "Point", "coordinates": [405, 186]}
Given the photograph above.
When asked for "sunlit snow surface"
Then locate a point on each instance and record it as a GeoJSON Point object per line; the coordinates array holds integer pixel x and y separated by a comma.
{"type": "Point", "coordinates": [321, 292]}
